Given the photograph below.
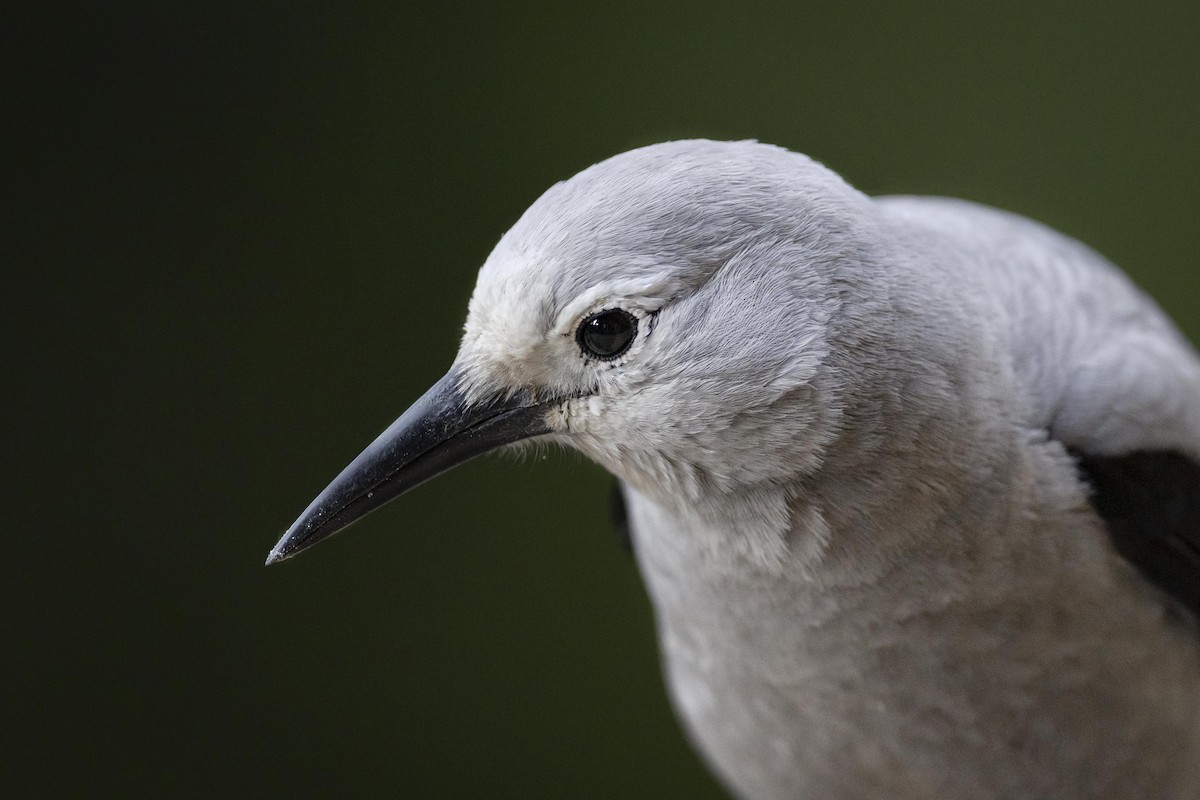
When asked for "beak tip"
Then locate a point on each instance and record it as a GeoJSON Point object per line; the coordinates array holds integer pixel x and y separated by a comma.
{"type": "Point", "coordinates": [280, 552]}
{"type": "Point", "coordinates": [440, 430]}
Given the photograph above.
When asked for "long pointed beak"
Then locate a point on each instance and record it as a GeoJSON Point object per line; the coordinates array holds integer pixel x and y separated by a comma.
{"type": "Point", "coordinates": [439, 431]}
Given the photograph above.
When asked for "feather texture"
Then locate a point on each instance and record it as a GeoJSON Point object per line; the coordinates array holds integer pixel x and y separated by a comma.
{"type": "Point", "coordinates": [845, 432]}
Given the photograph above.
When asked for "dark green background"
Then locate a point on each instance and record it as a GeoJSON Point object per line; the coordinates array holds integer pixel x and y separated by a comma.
{"type": "Point", "coordinates": [243, 237]}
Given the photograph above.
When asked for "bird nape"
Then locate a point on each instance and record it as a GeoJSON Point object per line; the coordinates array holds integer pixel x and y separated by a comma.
{"type": "Point", "coordinates": [912, 482]}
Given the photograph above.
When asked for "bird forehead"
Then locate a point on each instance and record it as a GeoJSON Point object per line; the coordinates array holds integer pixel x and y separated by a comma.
{"type": "Point", "coordinates": [509, 316]}
{"type": "Point", "coordinates": [677, 196]}
{"type": "Point", "coordinates": [668, 213]}
{"type": "Point", "coordinates": [639, 230]}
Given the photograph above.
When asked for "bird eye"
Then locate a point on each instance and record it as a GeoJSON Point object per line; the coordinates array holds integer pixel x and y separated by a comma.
{"type": "Point", "coordinates": [607, 334]}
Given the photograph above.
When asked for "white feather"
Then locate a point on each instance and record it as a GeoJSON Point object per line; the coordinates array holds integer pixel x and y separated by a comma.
{"type": "Point", "coordinates": [841, 430]}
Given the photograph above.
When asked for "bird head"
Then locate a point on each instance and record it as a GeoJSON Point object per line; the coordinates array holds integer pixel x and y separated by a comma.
{"type": "Point", "coordinates": [666, 312]}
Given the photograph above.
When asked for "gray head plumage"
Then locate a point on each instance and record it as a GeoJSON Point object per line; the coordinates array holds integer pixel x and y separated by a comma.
{"type": "Point", "coordinates": [727, 254]}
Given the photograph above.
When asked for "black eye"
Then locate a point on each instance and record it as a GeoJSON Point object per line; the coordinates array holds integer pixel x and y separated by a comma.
{"type": "Point", "coordinates": [607, 334]}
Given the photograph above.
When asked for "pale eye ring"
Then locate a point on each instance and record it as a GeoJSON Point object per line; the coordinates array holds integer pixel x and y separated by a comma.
{"type": "Point", "coordinates": [607, 334]}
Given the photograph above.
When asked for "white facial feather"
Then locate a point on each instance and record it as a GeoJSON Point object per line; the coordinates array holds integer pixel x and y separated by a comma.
{"type": "Point", "coordinates": [732, 296]}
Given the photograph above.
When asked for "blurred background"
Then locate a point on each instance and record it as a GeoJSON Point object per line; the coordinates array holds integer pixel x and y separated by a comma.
{"type": "Point", "coordinates": [240, 240]}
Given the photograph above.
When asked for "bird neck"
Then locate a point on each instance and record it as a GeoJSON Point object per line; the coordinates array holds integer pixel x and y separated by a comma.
{"type": "Point", "coordinates": [856, 531]}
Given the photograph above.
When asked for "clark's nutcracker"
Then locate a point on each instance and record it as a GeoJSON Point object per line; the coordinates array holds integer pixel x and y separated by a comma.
{"type": "Point", "coordinates": [913, 483]}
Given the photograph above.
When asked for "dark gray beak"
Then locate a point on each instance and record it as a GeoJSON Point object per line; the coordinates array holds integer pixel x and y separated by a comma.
{"type": "Point", "coordinates": [438, 432]}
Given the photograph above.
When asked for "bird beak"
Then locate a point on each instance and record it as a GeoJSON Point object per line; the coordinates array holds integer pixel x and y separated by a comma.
{"type": "Point", "coordinates": [439, 431]}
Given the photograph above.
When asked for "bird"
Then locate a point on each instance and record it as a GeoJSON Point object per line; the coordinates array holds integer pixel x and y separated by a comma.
{"type": "Point", "coordinates": [913, 483]}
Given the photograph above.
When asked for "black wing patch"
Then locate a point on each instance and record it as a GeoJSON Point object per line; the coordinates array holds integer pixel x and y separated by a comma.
{"type": "Point", "coordinates": [619, 516]}
{"type": "Point", "coordinates": [1151, 502]}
